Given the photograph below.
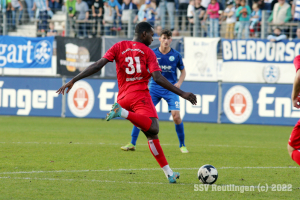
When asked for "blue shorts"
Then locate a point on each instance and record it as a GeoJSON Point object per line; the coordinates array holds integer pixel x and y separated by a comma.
{"type": "Point", "coordinates": [171, 98]}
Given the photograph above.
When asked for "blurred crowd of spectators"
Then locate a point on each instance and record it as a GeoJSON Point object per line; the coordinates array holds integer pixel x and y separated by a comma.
{"type": "Point", "coordinates": [237, 18]}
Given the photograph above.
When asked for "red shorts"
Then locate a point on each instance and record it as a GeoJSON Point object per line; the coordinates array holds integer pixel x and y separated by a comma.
{"type": "Point", "coordinates": [139, 102]}
{"type": "Point", "coordinates": [294, 140]}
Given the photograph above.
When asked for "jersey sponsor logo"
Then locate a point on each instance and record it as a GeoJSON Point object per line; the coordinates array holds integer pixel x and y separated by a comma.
{"type": "Point", "coordinates": [81, 99]}
{"type": "Point", "coordinates": [134, 79]}
{"type": "Point", "coordinates": [271, 73]}
{"type": "Point", "coordinates": [138, 50]}
{"type": "Point", "coordinates": [238, 104]}
{"type": "Point", "coordinates": [171, 58]}
{"type": "Point", "coordinates": [165, 67]}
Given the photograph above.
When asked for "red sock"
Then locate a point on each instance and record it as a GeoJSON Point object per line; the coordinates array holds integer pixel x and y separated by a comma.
{"type": "Point", "coordinates": [157, 152]}
{"type": "Point", "coordinates": [140, 121]}
{"type": "Point", "coordinates": [296, 156]}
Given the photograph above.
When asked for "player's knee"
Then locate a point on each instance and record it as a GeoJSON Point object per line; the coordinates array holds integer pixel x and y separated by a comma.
{"type": "Point", "coordinates": [290, 150]}
{"type": "Point", "coordinates": [176, 119]}
{"type": "Point", "coordinates": [155, 130]}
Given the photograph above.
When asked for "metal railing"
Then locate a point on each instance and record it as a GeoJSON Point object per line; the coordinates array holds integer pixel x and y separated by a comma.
{"type": "Point", "coordinates": [65, 25]}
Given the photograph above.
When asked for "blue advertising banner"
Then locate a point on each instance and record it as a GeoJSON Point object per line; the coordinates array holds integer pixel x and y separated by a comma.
{"type": "Point", "coordinates": [93, 98]}
{"type": "Point", "coordinates": [30, 96]}
{"type": "Point", "coordinates": [257, 50]}
{"type": "Point", "coordinates": [25, 52]}
{"type": "Point", "coordinates": [259, 61]}
{"type": "Point", "coordinates": [258, 104]}
{"type": "Point", "coordinates": [206, 109]}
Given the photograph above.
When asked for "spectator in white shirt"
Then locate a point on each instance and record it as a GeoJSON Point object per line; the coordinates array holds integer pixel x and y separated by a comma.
{"type": "Point", "coordinates": [229, 13]}
{"type": "Point", "coordinates": [190, 15]}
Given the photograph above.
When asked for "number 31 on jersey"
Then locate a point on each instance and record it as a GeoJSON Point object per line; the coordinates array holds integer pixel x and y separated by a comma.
{"type": "Point", "coordinates": [131, 68]}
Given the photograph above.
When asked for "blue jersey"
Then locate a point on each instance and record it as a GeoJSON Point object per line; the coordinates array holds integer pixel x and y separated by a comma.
{"type": "Point", "coordinates": [168, 63]}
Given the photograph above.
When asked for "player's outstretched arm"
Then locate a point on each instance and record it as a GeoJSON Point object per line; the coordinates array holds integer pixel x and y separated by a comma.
{"type": "Point", "coordinates": [92, 69]}
{"type": "Point", "coordinates": [162, 81]}
{"type": "Point", "coordinates": [296, 90]}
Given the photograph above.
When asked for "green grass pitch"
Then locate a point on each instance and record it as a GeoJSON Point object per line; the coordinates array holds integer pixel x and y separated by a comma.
{"type": "Point", "coordinates": [69, 158]}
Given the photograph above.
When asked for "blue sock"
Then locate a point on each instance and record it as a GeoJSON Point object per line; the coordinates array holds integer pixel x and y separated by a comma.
{"type": "Point", "coordinates": [134, 135]}
{"type": "Point", "coordinates": [180, 133]}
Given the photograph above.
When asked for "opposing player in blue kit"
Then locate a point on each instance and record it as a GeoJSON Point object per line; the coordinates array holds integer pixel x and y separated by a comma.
{"type": "Point", "coordinates": [169, 60]}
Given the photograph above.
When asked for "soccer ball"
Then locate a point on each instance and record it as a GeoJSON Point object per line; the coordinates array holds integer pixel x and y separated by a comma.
{"type": "Point", "coordinates": [207, 174]}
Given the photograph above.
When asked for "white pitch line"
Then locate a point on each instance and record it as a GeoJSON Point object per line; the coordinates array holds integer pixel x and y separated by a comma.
{"type": "Point", "coordinates": [67, 143]}
{"type": "Point", "coordinates": [142, 169]}
{"type": "Point", "coordinates": [258, 167]}
{"type": "Point", "coordinates": [56, 143]}
{"type": "Point", "coordinates": [78, 171]}
{"type": "Point", "coordinates": [100, 143]}
{"type": "Point", "coordinates": [127, 182]}
{"type": "Point", "coordinates": [88, 180]}
{"type": "Point", "coordinates": [221, 145]}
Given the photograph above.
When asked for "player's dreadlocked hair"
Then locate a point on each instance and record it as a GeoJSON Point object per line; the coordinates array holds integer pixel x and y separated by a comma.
{"type": "Point", "coordinates": [166, 32]}
{"type": "Point", "coordinates": [141, 27]}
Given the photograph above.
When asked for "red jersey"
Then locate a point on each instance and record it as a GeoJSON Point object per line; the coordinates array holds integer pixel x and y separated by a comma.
{"type": "Point", "coordinates": [297, 62]}
{"type": "Point", "coordinates": [134, 62]}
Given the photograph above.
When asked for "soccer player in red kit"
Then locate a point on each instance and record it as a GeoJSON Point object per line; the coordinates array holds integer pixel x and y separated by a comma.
{"type": "Point", "coordinates": [135, 64]}
{"type": "Point", "coordinates": [294, 141]}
